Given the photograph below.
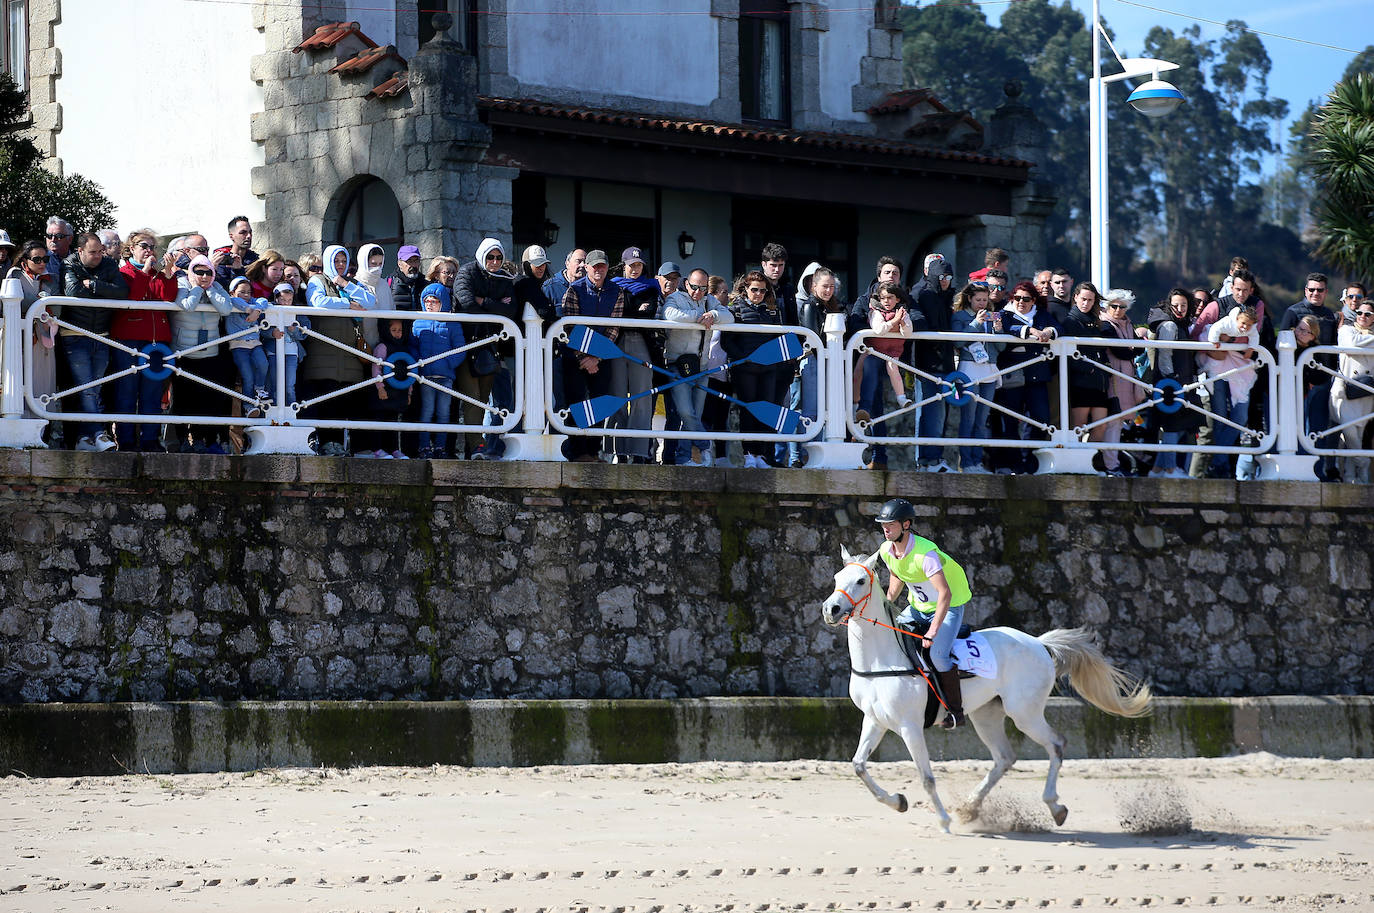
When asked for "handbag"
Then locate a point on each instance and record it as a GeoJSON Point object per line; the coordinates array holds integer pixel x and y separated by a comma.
{"type": "Point", "coordinates": [1354, 392]}
{"type": "Point", "coordinates": [484, 362]}
{"type": "Point", "coordinates": [686, 365]}
{"type": "Point", "coordinates": [359, 343]}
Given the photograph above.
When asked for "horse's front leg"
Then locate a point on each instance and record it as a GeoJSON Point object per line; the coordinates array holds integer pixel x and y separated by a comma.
{"type": "Point", "coordinates": [869, 738]}
{"type": "Point", "coordinates": [915, 740]}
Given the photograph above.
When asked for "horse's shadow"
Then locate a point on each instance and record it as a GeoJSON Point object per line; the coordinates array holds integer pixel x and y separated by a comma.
{"type": "Point", "coordinates": [1161, 839]}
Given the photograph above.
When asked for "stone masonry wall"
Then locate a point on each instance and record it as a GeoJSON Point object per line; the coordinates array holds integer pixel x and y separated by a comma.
{"type": "Point", "coordinates": [182, 576]}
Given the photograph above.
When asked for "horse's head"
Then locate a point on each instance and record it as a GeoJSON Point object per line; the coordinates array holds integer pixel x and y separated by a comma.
{"type": "Point", "coordinates": [854, 587]}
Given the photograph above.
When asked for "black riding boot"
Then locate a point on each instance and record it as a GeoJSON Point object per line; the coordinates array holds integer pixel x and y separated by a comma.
{"type": "Point", "coordinates": [954, 702]}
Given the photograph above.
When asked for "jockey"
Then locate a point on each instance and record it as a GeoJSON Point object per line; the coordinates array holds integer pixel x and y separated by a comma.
{"type": "Point", "coordinates": [938, 591]}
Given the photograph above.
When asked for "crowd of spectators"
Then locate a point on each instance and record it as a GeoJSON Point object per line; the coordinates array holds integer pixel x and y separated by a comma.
{"type": "Point", "coordinates": [1000, 324]}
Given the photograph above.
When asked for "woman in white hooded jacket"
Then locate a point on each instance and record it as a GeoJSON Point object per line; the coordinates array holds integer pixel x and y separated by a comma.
{"type": "Point", "coordinates": [370, 277]}
{"type": "Point", "coordinates": [331, 367]}
{"type": "Point", "coordinates": [201, 302]}
{"type": "Point", "coordinates": [1348, 401]}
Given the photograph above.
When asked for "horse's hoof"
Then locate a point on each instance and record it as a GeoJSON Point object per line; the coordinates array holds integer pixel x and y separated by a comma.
{"type": "Point", "coordinates": [1062, 815]}
{"type": "Point", "coordinates": [901, 803]}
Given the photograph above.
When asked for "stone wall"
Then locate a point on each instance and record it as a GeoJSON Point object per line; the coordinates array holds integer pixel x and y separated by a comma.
{"type": "Point", "coordinates": [180, 577]}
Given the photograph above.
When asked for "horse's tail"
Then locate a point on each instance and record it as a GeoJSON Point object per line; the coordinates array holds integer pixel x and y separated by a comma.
{"type": "Point", "coordinates": [1076, 654]}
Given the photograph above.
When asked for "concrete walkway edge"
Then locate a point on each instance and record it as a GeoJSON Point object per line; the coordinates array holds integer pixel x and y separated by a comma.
{"type": "Point", "coordinates": [185, 737]}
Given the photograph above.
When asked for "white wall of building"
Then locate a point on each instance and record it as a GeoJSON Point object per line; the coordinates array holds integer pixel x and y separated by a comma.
{"type": "Point", "coordinates": [162, 125]}
{"type": "Point", "coordinates": [665, 50]}
{"type": "Point", "coordinates": [704, 216]}
{"type": "Point", "coordinates": [842, 45]}
{"type": "Point", "coordinates": [375, 19]}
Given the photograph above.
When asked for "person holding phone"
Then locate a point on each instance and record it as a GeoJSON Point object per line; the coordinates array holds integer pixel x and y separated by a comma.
{"type": "Point", "coordinates": [978, 362]}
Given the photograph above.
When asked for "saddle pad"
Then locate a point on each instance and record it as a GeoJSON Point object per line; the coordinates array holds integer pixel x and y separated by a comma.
{"type": "Point", "coordinates": [973, 655]}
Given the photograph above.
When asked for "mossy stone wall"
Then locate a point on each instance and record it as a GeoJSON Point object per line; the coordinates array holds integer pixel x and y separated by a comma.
{"type": "Point", "coordinates": [182, 577]}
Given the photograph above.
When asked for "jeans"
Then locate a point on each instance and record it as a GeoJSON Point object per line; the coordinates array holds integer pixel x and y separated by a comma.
{"type": "Point", "coordinates": [135, 394]}
{"type": "Point", "coordinates": [87, 359]}
{"type": "Point", "coordinates": [932, 422]}
{"type": "Point", "coordinates": [806, 404]}
{"type": "Point", "coordinates": [434, 407]}
{"type": "Point", "coordinates": [502, 397]}
{"type": "Point", "coordinates": [291, 362]}
{"type": "Point", "coordinates": [1317, 409]}
{"type": "Point", "coordinates": [1226, 436]}
{"type": "Point", "coordinates": [973, 424]}
{"type": "Point", "coordinates": [871, 399]}
{"type": "Point", "coordinates": [1169, 460]}
{"type": "Point", "coordinates": [689, 399]}
{"type": "Point", "coordinates": [252, 365]}
{"type": "Point", "coordinates": [785, 454]}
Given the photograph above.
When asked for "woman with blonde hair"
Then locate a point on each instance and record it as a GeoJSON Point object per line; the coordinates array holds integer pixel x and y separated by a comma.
{"type": "Point", "coordinates": [1122, 394]}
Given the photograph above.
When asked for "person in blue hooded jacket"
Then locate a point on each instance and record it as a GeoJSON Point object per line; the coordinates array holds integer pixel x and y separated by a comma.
{"type": "Point", "coordinates": [331, 367]}
{"type": "Point", "coordinates": [434, 338]}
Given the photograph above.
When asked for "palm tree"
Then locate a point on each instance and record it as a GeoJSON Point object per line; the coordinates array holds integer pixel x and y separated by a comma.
{"type": "Point", "coordinates": [1343, 165]}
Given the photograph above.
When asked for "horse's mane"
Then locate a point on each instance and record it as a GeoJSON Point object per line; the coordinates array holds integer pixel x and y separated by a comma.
{"type": "Point", "coordinates": [887, 605]}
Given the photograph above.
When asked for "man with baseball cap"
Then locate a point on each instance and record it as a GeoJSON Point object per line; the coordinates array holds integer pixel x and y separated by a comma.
{"type": "Point", "coordinates": [669, 277]}
{"type": "Point", "coordinates": [408, 281]}
{"type": "Point", "coordinates": [584, 376]}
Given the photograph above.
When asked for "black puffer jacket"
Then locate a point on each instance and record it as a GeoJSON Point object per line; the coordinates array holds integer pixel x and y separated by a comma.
{"type": "Point", "coordinates": [106, 282]}
{"type": "Point", "coordinates": [1086, 373]}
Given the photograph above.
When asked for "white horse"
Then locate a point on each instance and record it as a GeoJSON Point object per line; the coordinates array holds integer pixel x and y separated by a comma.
{"type": "Point", "coordinates": [895, 697]}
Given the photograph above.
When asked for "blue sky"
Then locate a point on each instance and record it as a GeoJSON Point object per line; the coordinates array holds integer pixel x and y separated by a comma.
{"type": "Point", "coordinates": [1300, 73]}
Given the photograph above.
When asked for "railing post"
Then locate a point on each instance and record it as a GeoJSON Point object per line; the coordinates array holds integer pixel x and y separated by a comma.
{"type": "Point", "coordinates": [832, 452]}
{"type": "Point", "coordinates": [1065, 453]}
{"type": "Point", "coordinates": [15, 431]}
{"type": "Point", "coordinates": [1287, 416]}
{"type": "Point", "coordinates": [281, 436]}
{"type": "Point", "coordinates": [532, 443]}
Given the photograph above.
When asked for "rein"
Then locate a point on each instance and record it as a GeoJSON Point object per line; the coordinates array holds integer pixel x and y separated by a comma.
{"type": "Point", "coordinates": [858, 614]}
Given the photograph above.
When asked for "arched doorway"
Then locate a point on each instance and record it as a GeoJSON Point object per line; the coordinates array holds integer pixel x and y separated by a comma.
{"type": "Point", "coordinates": [366, 212]}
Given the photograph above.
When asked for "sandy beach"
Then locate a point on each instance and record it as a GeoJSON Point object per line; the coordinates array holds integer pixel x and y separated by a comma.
{"type": "Point", "coordinates": [1257, 832]}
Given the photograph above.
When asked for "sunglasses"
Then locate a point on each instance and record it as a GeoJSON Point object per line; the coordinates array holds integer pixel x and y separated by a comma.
{"type": "Point", "coordinates": [756, 290]}
{"type": "Point", "coordinates": [38, 259]}
{"type": "Point", "coordinates": [692, 286]}
{"type": "Point", "coordinates": [491, 257]}
{"type": "Point", "coordinates": [1354, 296]}
{"type": "Point", "coordinates": [1116, 307]}
{"type": "Point", "coordinates": [997, 288]}
{"type": "Point", "coordinates": [56, 237]}
{"type": "Point", "coordinates": [203, 272]}
{"type": "Point", "coordinates": [199, 250]}
{"type": "Point", "coordinates": [1364, 313]}
{"type": "Point", "coordinates": [144, 245]}
{"type": "Point", "coordinates": [314, 269]}
{"type": "Point", "coordinates": [1022, 298]}
{"type": "Point", "coordinates": [1313, 288]}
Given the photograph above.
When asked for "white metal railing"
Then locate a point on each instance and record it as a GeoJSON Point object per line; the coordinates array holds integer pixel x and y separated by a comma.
{"type": "Point", "coordinates": [778, 346]}
{"type": "Point", "coordinates": [832, 440]}
{"type": "Point", "coordinates": [1360, 409]}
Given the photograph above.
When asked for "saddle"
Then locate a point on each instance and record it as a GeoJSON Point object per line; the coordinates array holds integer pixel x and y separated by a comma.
{"type": "Point", "coordinates": [919, 656]}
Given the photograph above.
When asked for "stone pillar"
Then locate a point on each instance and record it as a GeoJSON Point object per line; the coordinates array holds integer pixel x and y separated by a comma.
{"type": "Point", "coordinates": [808, 21]}
{"type": "Point", "coordinates": [1013, 132]}
{"type": "Point", "coordinates": [726, 107]}
{"type": "Point", "coordinates": [880, 70]}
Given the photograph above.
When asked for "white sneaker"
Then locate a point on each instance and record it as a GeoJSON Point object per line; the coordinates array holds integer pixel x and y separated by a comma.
{"type": "Point", "coordinates": [941, 466]}
{"type": "Point", "coordinates": [97, 444]}
{"type": "Point", "coordinates": [364, 455]}
{"type": "Point", "coordinates": [382, 455]}
{"type": "Point", "coordinates": [1177, 474]}
{"type": "Point", "coordinates": [978, 470]}
{"type": "Point", "coordinates": [398, 455]}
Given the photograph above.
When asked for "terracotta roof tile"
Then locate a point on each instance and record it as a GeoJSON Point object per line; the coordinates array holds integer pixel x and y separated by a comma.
{"type": "Point", "coordinates": [366, 60]}
{"type": "Point", "coordinates": [327, 36]}
{"type": "Point", "coordinates": [398, 83]}
{"type": "Point", "coordinates": [905, 100]}
{"type": "Point", "coordinates": [759, 134]}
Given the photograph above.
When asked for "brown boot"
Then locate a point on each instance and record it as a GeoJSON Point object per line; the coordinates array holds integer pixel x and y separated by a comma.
{"type": "Point", "coordinates": [954, 702]}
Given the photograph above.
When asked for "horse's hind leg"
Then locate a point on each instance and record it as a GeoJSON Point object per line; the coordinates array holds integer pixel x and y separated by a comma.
{"type": "Point", "coordinates": [988, 722]}
{"type": "Point", "coordinates": [915, 740]}
{"type": "Point", "coordinates": [1032, 723]}
{"type": "Point", "coordinates": [869, 738]}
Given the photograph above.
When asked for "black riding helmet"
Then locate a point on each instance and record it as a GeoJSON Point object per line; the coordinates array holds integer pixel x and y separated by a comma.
{"type": "Point", "coordinates": [895, 511]}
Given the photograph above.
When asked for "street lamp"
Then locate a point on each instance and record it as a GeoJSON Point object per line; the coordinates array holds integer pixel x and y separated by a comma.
{"type": "Point", "coordinates": [1154, 98]}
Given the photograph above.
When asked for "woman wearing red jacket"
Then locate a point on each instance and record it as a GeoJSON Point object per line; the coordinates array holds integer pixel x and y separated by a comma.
{"type": "Point", "coordinates": [150, 279]}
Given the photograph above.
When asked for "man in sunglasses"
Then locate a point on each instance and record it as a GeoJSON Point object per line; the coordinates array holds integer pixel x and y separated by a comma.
{"type": "Point", "coordinates": [1316, 406]}
{"type": "Point", "coordinates": [1352, 296]}
{"type": "Point", "coordinates": [90, 274]}
{"type": "Point", "coordinates": [59, 237]}
{"type": "Point", "coordinates": [192, 246]}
